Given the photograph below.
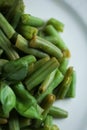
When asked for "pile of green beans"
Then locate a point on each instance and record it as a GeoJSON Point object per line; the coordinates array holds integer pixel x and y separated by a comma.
{"type": "Point", "coordinates": [34, 70]}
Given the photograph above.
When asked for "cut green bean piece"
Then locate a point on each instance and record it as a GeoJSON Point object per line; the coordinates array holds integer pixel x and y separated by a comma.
{"type": "Point", "coordinates": [50, 30]}
{"type": "Point", "coordinates": [48, 121]}
{"type": "Point", "coordinates": [72, 89]}
{"type": "Point", "coordinates": [38, 64]}
{"type": "Point", "coordinates": [65, 84]}
{"type": "Point", "coordinates": [57, 80]}
{"type": "Point", "coordinates": [46, 104]}
{"type": "Point", "coordinates": [41, 74]}
{"type": "Point", "coordinates": [59, 26]}
{"type": "Point", "coordinates": [55, 127]}
{"type": "Point", "coordinates": [28, 19]}
{"type": "Point", "coordinates": [44, 86]}
{"type": "Point", "coordinates": [27, 31]}
{"type": "Point", "coordinates": [63, 65]}
{"type": "Point", "coordinates": [5, 44]}
{"type": "Point", "coordinates": [6, 27]}
{"type": "Point", "coordinates": [23, 45]}
{"type": "Point", "coordinates": [46, 46]}
{"type": "Point", "coordinates": [14, 122]}
{"type": "Point", "coordinates": [57, 42]}
{"type": "Point", "coordinates": [57, 112]}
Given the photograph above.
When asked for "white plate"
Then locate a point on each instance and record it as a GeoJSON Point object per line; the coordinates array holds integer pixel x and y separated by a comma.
{"type": "Point", "coordinates": [75, 36]}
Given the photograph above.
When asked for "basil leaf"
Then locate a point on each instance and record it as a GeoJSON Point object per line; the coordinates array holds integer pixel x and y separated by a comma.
{"type": "Point", "coordinates": [7, 98]}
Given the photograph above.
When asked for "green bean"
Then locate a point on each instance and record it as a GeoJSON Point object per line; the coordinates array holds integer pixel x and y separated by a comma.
{"type": "Point", "coordinates": [31, 20]}
{"type": "Point", "coordinates": [48, 121]}
{"type": "Point", "coordinates": [5, 44]}
{"type": "Point", "coordinates": [46, 104]}
{"type": "Point", "coordinates": [57, 112]}
{"type": "Point", "coordinates": [27, 31]}
{"type": "Point", "coordinates": [63, 65]}
{"type": "Point", "coordinates": [46, 46]}
{"type": "Point", "coordinates": [34, 71]}
{"type": "Point", "coordinates": [43, 87]}
{"type": "Point", "coordinates": [72, 89]}
{"type": "Point", "coordinates": [6, 27]}
{"type": "Point", "coordinates": [59, 26]}
{"type": "Point", "coordinates": [55, 127]}
{"type": "Point", "coordinates": [57, 80]}
{"type": "Point", "coordinates": [41, 74]}
{"type": "Point", "coordinates": [22, 44]}
{"type": "Point", "coordinates": [14, 122]}
{"type": "Point", "coordinates": [50, 30]}
{"type": "Point", "coordinates": [34, 67]}
{"type": "Point", "coordinates": [57, 41]}
{"type": "Point", "coordinates": [65, 84]}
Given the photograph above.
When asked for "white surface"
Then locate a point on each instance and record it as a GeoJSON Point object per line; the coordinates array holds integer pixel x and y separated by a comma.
{"type": "Point", "coordinates": [75, 35]}
{"type": "Point", "coordinates": [80, 6]}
